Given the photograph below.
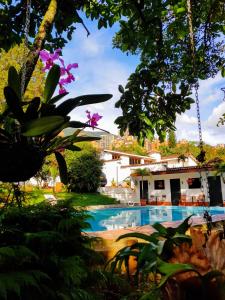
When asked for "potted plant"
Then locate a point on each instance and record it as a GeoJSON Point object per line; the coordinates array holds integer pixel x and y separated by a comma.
{"type": "Point", "coordinates": [29, 131]}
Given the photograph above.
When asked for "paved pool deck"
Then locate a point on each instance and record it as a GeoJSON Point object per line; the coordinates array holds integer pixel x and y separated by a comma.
{"type": "Point", "coordinates": [148, 229]}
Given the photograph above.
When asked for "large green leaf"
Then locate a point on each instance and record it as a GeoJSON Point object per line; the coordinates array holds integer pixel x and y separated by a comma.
{"type": "Point", "coordinates": [14, 81]}
{"type": "Point", "coordinates": [67, 106]}
{"type": "Point", "coordinates": [13, 103]}
{"type": "Point", "coordinates": [52, 81]}
{"type": "Point", "coordinates": [42, 125]}
{"type": "Point", "coordinates": [170, 269]}
{"type": "Point", "coordinates": [62, 167]}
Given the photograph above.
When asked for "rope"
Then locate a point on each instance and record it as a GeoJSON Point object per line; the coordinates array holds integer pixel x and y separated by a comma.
{"type": "Point", "coordinates": [26, 35]}
{"type": "Point", "coordinates": [201, 156]}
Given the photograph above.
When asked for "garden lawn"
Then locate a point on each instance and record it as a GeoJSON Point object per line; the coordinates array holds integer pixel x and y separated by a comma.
{"type": "Point", "coordinates": [85, 199]}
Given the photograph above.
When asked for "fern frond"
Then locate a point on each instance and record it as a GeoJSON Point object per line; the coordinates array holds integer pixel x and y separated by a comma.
{"type": "Point", "coordinates": [73, 270]}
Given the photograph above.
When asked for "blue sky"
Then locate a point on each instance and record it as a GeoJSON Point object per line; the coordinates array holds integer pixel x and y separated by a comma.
{"type": "Point", "coordinates": [102, 69]}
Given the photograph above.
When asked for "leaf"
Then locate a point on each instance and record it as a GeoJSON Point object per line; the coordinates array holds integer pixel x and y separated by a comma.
{"type": "Point", "coordinates": [170, 269]}
{"type": "Point", "coordinates": [13, 103]}
{"type": "Point", "coordinates": [184, 226]}
{"type": "Point", "coordinates": [62, 167]}
{"type": "Point", "coordinates": [67, 106]}
{"type": "Point", "coordinates": [121, 89]}
{"type": "Point", "coordinates": [73, 148]}
{"type": "Point", "coordinates": [32, 109]}
{"type": "Point", "coordinates": [78, 139]}
{"type": "Point", "coordinates": [223, 71]}
{"type": "Point", "coordinates": [52, 81]}
{"type": "Point", "coordinates": [14, 81]}
{"type": "Point", "coordinates": [77, 124]}
{"type": "Point", "coordinates": [180, 10]}
{"type": "Point", "coordinates": [160, 228]}
{"type": "Point", "coordinates": [57, 98]}
{"type": "Point", "coordinates": [42, 125]}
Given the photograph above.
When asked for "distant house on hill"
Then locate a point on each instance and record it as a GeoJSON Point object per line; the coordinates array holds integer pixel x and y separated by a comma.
{"type": "Point", "coordinates": [172, 180]}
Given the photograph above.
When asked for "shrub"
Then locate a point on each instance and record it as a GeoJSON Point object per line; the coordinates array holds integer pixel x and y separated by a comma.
{"type": "Point", "coordinates": [85, 170]}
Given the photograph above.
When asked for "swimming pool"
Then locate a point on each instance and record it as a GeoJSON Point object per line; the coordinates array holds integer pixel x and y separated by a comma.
{"type": "Point", "coordinates": [117, 218]}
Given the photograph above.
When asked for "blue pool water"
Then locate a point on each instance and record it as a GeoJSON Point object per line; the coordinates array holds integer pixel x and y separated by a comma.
{"type": "Point", "coordinates": [116, 218]}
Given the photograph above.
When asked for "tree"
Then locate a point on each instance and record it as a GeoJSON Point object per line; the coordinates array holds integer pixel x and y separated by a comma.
{"type": "Point", "coordinates": [178, 43]}
{"type": "Point", "coordinates": [15, 57]}
{"type": "Point", "coordinates": [172, 139]}
{"type": "Point", "coordinates": [84, 168]}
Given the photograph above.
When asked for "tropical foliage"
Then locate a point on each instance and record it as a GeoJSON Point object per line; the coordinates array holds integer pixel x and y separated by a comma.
{"type": "Point", "coordinates": [154, 276]}
{"type": "Point", "coordinates": [44, 255]}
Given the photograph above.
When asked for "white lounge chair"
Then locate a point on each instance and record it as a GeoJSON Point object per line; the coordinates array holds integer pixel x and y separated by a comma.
{"type": "Point", "coordinates": [51, 198]}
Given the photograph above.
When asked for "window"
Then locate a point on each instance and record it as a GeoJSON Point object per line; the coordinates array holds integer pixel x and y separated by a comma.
{"type": "Point", "coordinates": [194, 183]}
{"type": "Point", "coordinates": [134, 161]}
{"type": "Point", "coordinates": [159, 184]}
{"type": "Point", "coordinates": [115, 156]}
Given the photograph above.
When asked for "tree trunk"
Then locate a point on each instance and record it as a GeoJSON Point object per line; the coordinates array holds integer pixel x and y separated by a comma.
{"type": "Point", "coordinates": [38, 44]}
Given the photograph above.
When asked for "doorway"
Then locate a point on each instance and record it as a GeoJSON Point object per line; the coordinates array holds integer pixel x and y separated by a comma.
{"type": "Point", "coordinates": [175, 191]}
{"type": "Point", "coordinates": [215, 191]}
{"type": "Point", "coordinates": [144, 192]}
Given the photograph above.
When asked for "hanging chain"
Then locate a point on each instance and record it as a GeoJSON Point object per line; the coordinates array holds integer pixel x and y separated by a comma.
{"type": "Point", "coordinates": [223, 90]}
{"type": "Point", "coordinates": [201, 156]}
{"type": "Point", "coordinates": [26, 35]}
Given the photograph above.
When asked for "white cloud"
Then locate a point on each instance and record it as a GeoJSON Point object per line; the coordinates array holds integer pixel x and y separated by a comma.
{"type": "Point", "coordinates": [187, 127]}
{"type": "Point", "coordinates": [185, 119]}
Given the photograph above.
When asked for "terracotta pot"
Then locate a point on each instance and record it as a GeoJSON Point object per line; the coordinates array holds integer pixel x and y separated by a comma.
{"type": "Point", "coordinates": [143, 202]}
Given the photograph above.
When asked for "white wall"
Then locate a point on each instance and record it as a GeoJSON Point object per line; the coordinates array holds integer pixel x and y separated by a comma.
{"type": "Point", "coordinates": [155, 155]}
{"type": "Point", "coordinates": [113, 171]}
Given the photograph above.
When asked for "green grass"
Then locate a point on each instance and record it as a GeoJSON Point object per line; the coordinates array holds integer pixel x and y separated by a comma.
{"type": "Point", "coordinates": [78, 199]}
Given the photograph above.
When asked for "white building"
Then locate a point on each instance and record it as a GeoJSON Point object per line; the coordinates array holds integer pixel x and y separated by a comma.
{"type": "Point", "coordinates": [172, 180]}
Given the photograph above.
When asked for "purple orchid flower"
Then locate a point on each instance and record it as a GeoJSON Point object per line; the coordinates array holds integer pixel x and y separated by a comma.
{"type": "Point", "coordinates": [49, 58]}
{"type": "Point", "coordinates": [62, 89]}
{"type": "Point", "coordinates": [93, 119]}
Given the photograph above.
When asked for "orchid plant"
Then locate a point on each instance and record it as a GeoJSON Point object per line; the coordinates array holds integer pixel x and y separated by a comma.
{"type": "Point", "coordinates": [29, 131]}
